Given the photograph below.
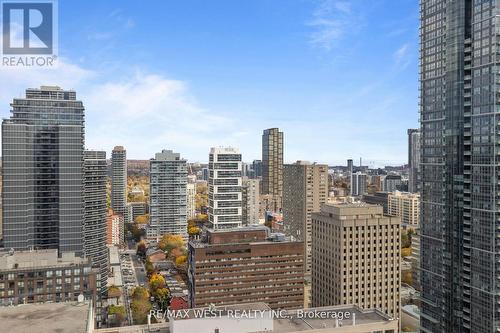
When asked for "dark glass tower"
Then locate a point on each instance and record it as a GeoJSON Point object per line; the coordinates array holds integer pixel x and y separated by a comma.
{"type": "Point", "coordinates": [42, 155]}
{"type": "Point", "coordinates": [460, 137]}
{"type": "Point", "coordinates": [94, 169]}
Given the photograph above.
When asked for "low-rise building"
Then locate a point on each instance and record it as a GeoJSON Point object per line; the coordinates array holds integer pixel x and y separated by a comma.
{"type": "Point", "coordinates": [245, 265]}
{"type": "Point", "coordinates": [44, 276]}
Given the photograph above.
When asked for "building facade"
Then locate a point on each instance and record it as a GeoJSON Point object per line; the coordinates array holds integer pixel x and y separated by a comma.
{"type": "Point", "coordinates": [42, 169]}
{"type": "Point", "coordinates": [224, 188]}
{"type": "Point", "coordinates": [191, 200]}
{"type": "Point", "coordinates": [392, 183]}
{"type": "Point", "coordinates": [44, 276]}
{"type": "Point", "coordinates": [251, 201]}
{"type": "Point", "coordinates": [272, 164]}
{"type": "Point", "coordinates": [413, 160]}
{"type": "Point", "coordinates": [245, 265]}
{"type": "Point", "coordinates": [405, 205]}
{"type": "Point", "coordinates": [119, 181]}
{"type": "Point", "coordinates": [305, 190]}
{"type": "Point", "coordinates": [167, 195]}
{"type": "Point", "coordinates": [378, 198]}
{"type": "Point", "coordinates": [359, 184]}
{"type": "Point", "coordinates": [356, 258]}
{"type": "Point", "coordinates": [115, 227]}
{"type": "Point", "coordinates": [460, 222]}
{"type": "Point", "coordinates": [94, 228]}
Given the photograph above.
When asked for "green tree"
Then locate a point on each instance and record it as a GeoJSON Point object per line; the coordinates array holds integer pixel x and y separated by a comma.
{"type": "Point", "coordinates": [117, 313]}
{"type": "Point", "coordinates": [169, 242]}
{"type": "Point", "coordinates": [163, 298]}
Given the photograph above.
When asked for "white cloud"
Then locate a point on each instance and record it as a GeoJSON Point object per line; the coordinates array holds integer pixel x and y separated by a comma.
{"type": "Point", "coordinates": [143, 112]}
{"type": "Point", "coordinates": [401, 56]}
{"type": "Point", "coordinates": [331, 22]}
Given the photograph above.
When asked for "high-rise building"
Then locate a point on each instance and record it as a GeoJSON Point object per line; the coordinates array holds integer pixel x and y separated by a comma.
{"type": "Point", "coordinates": [136, 209]}
{"type": "Point", "coordinates": [459, 106]}
{"type": "Point", "coordinates": [359, 184]}
{"type": "Point", "coordinates": [391, 183]}
{"type": "Point", "coordinates": [257, 168]}
{"type": "Point", "coordinates": [224, 188]}
{"type": "Point", "coordinates": [243, 265]}
{"type": "Point", "coordinates": [405, 205]}
{"type": "Point", "coordinates": [413, 159]}
{"type": "Point", "coordinates": [114, 228]}
{"type": "Point", "coordinates": [167, 195]}
{"type": "Point", "coordinates": [272, 163]}
{"type": "Point", "coordinates": [42, 157]}
{"type": "Point", "coordinates": [119, 181]}
{"type": "Point", "coordinates": [350, 171]}
{"type": "Point", "coordinates": [305, 189]}
{"type": "Point", "coordinates": [94, 227]}
{"type": "Point", "coordinates": [191, 200]}
{"type": "Point", "coordinates": [250, 201]}
{"type": "Point", "coordinates": [356, 257]}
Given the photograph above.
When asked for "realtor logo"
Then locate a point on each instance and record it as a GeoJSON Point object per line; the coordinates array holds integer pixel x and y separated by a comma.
{"type": "Point", "coordinates": [29, 28]}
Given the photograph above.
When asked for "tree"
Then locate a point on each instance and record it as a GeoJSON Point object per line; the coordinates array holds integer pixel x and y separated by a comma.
{"type": "Point", "coordinates": [140, 293]}
{"type": "Point", "coordinates": [140, 309]}
{"type": "Point", "coordinates": [176, 253]}
{"type": "Point", "coordinates": [114, 292]}
{"type": "Point", "coordinates": [193, 231]}
{"type": "Point", "coordinates": [141, 249]}
{"type": "Point", "coordinates": [163, 298]}
{"type": "Point", "coordinates": [169, 242]}
{"type": "Point", "coordinates": [118, 312]}
{"type": "Point", "coordinates": [407, 277]}
{"type": "Point", "coordinates": [156, 282]}
{"type": "Point", "coordinates": [405, 252]}
{"type": "Point", "coordinates": [180, 260]}
{"type": "Point", "coordinates": [149, 267]}
{"type": "Point", "coordinates": [142, 219]}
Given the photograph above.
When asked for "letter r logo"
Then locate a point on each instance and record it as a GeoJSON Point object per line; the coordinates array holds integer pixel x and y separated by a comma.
{"type": "Point", "coordinates": [28, 27]}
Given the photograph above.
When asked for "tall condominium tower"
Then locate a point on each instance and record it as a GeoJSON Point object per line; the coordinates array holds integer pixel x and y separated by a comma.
{"type": "Point", "coordinates": [94, 227]}
{"type": "Point", "coordinates": [42, 157]}
{"type": "Point", "coordinates": [413, 159]}
{"type": "Point", "coordinates": [272, 163]}
{"type": "Point", "coordinates": [350, 170]}
{"type": "Point", "coordinates": [191, 200]}
{"type": "Point", "coordinates": [257, 168]}
{"type": "Point", "coordinates": [305, 189]}
{"type": "Point", "coordinates": [119, 181]}
{"type": "Point", "coordinates": [460, 195]}
{"type": "Point", "coordinates": [251, 201]}
{"type": "Point", "coordinates": [224, 188]}
{"type": "Point", "coordinates": [356, 257]}
{"type": "Point", "coordinates": [359, 184]}
{"type": "Point", "coordinates": [168, 196]}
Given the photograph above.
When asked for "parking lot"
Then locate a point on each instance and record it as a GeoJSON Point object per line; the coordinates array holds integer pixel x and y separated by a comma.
{"type": "Point", "coordinates": [128, 271]}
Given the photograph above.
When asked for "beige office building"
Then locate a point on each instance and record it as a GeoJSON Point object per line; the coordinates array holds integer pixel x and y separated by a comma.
{"type": "Point", "coordinates": [406, 206]}
{"type": "Point", "coordinates": [356, 257]}
{"type": "Point", "coordinates": [305, 189]}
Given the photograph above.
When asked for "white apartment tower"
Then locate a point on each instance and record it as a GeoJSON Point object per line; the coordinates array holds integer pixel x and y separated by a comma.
{"type": "Point", "coordinates": [224, 188]}
{"type": "Point", "coordinates": [168, 180]}
{"type": "Point", "coordinates": [191, 200]}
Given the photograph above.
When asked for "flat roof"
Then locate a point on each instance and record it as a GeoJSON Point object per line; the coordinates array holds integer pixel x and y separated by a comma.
{"type": "Point", "coordinates": [45, 318]}
{"type": "Point", "coordinates": [295, 324]}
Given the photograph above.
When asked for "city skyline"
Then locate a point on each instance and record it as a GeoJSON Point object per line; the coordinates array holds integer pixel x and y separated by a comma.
{"type": "Point", "coordinates": [323, 78]}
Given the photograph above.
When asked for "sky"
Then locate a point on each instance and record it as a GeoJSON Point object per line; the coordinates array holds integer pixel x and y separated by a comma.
{"type": "Point", "coordinates": [338, 77]}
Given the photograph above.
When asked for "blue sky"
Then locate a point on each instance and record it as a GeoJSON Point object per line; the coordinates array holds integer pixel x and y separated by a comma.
{"type": "Point", "coordinates": [339, 77]}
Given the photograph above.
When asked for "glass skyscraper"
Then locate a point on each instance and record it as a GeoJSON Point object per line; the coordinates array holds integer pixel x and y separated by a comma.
{"type": "Point", "coordinates": [42, 156]}
{"type": "Point", "coordinates": [94, 170]}
{"type": "Point", "coordinates": [460, 176]}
